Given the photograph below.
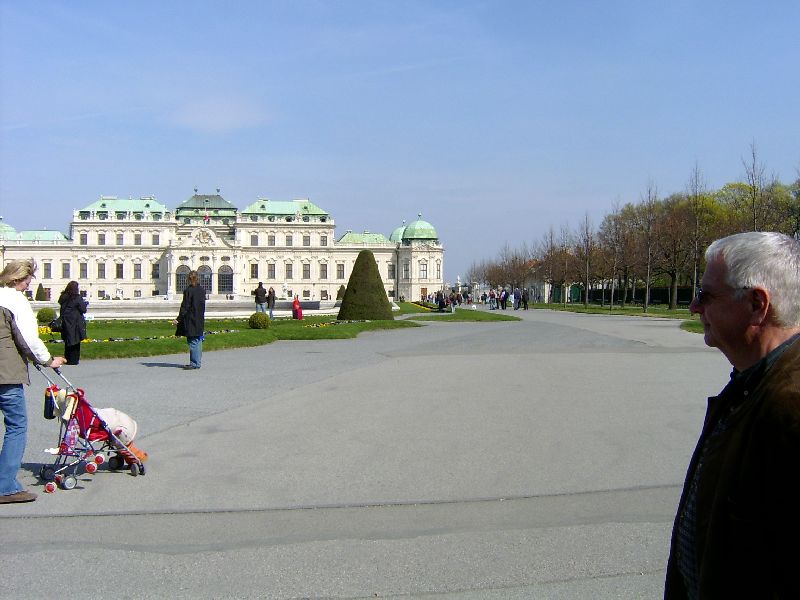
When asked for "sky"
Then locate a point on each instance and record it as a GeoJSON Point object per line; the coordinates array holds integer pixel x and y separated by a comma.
{"type": "Point", "coordinates": [495, 120]}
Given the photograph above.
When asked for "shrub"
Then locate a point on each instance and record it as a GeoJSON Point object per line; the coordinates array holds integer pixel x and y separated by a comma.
{"type": "Point", "coordinates": [45, 315]}
{"type": "Point", "coordinates": [40, 293]}
{"type": "Point", "coordinates": [365, 296]}
{"type": "Point", "coordinates": [258, 320]}
{"type": "Point", "coordinates": [340, 293]}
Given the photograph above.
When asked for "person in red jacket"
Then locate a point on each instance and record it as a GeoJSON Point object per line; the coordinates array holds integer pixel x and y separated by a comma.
{"type": "Point", "coordinates": [297, 310]}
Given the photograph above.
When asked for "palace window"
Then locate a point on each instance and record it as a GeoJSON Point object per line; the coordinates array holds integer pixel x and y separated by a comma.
{"type": "Point", "coordinates": [288, 271]}
{"type": "Point", "coordinates": [137, 239]}
{"type": "Point", "coordinates": [204, 273]}
{"type": "Point", "coordinates": [323, 271]}
{"type": "Point", "coordinates": [155, 272]}
{"type": "Point", "coordinates": [340, 271]}
{"type": "Point", "coordinates": [119, 271]}
{"type": "Point", "coordinates": [254, 271]}
{"type": "Point", "coordinates": [391, 271]}
{"type": "Point", "coordinates": [288, 240]}
{"type": "Point", "coordinates": [323, 240]}
{"type": "Point", "coordinates": [101, 239]}
{"type": "Point", "coordinates": [83, 270]}
{"type": "Point", "coordinates": [101, 270]}
{"type": "Point", "coordinates": [254, 239]}
{"type": "Point", "coordinates": [120, 239]}
{"type": "Point", "coordinates": [271, 271]}
{"type": "Point", "coordinates": [225, 280]}
{"type": "Point", "coordinates": [306, 240]}
{"type": "Point", "coordinates": [156, 239]}
{"type": "Point", "coordinates": [137, 270]}
{"type": "Point", "coordinates": [65, 271]}
{"type": "Point", "coordinates": [270, 240]}
{"type": "Point", "coordinates": [423, 270]}
{"type": "Point", "coordinates": [306, 271]}
{"type": "Point", "coordinates": [47, 272]}
{"type": "Point", "coordinates": [84, 239]}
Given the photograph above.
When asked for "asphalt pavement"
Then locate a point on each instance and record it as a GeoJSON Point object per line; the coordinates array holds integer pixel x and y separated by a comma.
{"type": "Point", "coordinates": [532, 459]}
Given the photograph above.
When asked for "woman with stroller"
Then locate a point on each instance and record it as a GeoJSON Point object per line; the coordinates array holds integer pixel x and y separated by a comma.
{"type": "Point", "coordinates": [19, 343]}
{"type": "Point", "coordinates": [73, 328]}
{"type": "Point", "coordinates": [191, 319]}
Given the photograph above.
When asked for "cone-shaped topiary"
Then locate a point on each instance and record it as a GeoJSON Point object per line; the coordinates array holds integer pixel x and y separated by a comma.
{"type": "Point", "coordinates": [340, 293]}
{"type": "Point", "coordinates": [365, 296]}
{"type": "Point", "coordinates": [40, 294]}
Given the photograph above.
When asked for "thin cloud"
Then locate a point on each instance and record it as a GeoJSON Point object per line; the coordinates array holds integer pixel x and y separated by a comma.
{"type": "Point", "coordinates": [219, 115]}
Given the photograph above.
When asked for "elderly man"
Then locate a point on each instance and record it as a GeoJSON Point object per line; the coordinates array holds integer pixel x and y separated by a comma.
{"type": "Point", "coordinates": [737, 529]}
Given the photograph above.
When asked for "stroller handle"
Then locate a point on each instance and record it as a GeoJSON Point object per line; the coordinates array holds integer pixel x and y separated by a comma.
{"type": "Point", "coordinates": [57, 371]}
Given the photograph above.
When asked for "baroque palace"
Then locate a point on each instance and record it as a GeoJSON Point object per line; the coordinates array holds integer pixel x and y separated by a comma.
{"type": "Point", "coordinates": [127, 249]}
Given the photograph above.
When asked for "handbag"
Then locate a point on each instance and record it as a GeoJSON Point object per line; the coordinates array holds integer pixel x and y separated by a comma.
{"type": "Point", "coordinates": [57, 324]}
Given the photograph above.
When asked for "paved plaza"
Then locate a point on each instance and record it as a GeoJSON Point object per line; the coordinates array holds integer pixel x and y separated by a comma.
{"type": "Point", "coordinates": [532, 459]}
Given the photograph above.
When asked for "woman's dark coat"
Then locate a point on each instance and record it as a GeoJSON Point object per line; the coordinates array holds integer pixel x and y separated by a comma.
{"type": "Point", "coordinates": [191, 316]}
{"type": "Point", "coordinates": [73, 330]}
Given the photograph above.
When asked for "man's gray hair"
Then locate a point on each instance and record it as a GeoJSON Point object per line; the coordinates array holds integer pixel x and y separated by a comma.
{"type": "Point", "coordinates": [767, 260]}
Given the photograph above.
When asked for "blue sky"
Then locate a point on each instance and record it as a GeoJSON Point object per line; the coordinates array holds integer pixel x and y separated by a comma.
{"type": "Point", "coordinates": [495, 120]}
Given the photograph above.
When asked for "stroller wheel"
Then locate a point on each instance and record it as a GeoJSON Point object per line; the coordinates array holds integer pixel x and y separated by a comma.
{"type": "Point", "coordinates": [100, 459]}
{"type": "Point", "coordinates": [50, 487]}
{"type": "Point", "coordinates": [135, 469]}
{"type": "Point", "coordinates": [115, 463]}
{"type": "Point", "coordinates": [69, 482]}
{"type": "Point", "coordinates": [91, 468]}
{"type": "Point", "coordinates": [141, 469]}
{"type": "Point", "coordinates": [47, 473]}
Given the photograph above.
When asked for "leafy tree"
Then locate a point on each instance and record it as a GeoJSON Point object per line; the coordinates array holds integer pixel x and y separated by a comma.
{"type": "Point", "coordinates": [365, 296]}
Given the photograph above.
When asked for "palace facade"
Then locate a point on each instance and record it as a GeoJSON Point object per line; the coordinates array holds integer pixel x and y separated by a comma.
{"type": "Point", "coordinates": [127, 249]}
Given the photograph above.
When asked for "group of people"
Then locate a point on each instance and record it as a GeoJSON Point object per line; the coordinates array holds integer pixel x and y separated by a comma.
{"type": "Point", "coordinates": [265, 299]}
{"type": "Point", "coordinates": [498, 298]}
{"type": "Point", "coordinates": [737, 523]}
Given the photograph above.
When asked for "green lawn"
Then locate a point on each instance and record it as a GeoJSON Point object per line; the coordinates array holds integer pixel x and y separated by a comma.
{"type": "Point", "coordinates": [466, 315]}
{"type": "Point", "coordinates": [121, 339]}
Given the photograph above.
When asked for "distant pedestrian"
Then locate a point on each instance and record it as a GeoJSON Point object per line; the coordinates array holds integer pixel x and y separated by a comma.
{"type": "Point", "coordinates": [191, 320]}
{"type": "Point", "coordinates": [297, 309]}
{"type": "Point", "coordinates": [525, 298]}
{"type": "Point", "coordinates": [270, 301]}
{"type": "Point", "coordinates": [261, 298]}
{"type": "Point", "coordinates": [73, 328]}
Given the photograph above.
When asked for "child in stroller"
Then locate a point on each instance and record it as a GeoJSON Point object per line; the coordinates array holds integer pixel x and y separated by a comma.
{"type": "Point", "coordinates": [86, 434]}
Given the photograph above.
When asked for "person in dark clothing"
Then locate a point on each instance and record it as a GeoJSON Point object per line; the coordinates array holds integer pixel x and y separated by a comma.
{"type": "Point", "coordinates": [270, 301]}
{"type": "Point", "coordinates": [73, 328]}
{"type": "Point", "coordinates": [261, 298]}
{"type": "Point", "coordinates": [737, 526]}
{"type": "Point", "coordinates": [191, 320]}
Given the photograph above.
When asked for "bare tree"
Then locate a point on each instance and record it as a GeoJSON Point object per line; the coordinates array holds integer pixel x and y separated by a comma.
{"type": "Point", "coordinates": [696, 189]}
{"type": "Point", "coordinates": [585, 247]}
{"type": "Point", "coordinates": [756, 184]}
{"type": "Point", "coordinates": [646, 229]}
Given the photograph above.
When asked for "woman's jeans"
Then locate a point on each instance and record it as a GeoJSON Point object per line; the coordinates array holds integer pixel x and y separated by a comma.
{"type": "Point", "coordinates": [195, 350]}
{"type": "Point", "coordinates": [12, 403]}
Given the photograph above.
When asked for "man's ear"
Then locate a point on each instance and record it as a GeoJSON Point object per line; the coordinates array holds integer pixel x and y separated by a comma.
{"type": "Point", "coordinates": [760, 305]}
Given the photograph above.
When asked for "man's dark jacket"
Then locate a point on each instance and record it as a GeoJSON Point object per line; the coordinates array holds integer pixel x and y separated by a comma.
{"type": "Point", "coordinates": [748, 498]}
{"type": "Point", "coordinates": [191, 316]}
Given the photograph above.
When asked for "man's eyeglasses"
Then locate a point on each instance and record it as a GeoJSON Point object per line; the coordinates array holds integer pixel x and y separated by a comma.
{"type": "Point", "coordinates": [703, 297]}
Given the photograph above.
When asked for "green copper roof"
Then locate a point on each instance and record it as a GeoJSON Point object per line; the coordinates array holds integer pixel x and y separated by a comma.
{"type": "Point", "coordinates": [112, 203]}
{"type": "Point", "coordinates": [284, 208]}
{"type": "Point", "coordinates": [397, 234]}
{"type": "Point", "coordinates": [363, 238]}
{"type": "Point", "coordinates": [205, 202]}
{"type": "Point", "coordinates": [35, 235]}
{"type": "Point", "coordinates": [6, 229]}
{"type": "Point", "coordinates": [420, 230]}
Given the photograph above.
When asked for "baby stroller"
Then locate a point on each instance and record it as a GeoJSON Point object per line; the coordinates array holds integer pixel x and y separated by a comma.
{"type": "Point", "coordinates": [85, 438]}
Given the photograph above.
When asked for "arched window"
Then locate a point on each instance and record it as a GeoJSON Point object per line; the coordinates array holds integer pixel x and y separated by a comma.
{"type": "Point", "coordinates": [225, 280]}
{"type": "Point", "coordinates": [182, 278]}
{"type": "Point", "coordinates": [205, 278]}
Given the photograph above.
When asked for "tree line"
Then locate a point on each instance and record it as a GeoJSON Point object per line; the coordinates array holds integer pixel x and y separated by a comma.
{"type": "Point", "coordinates": [657, 241]}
